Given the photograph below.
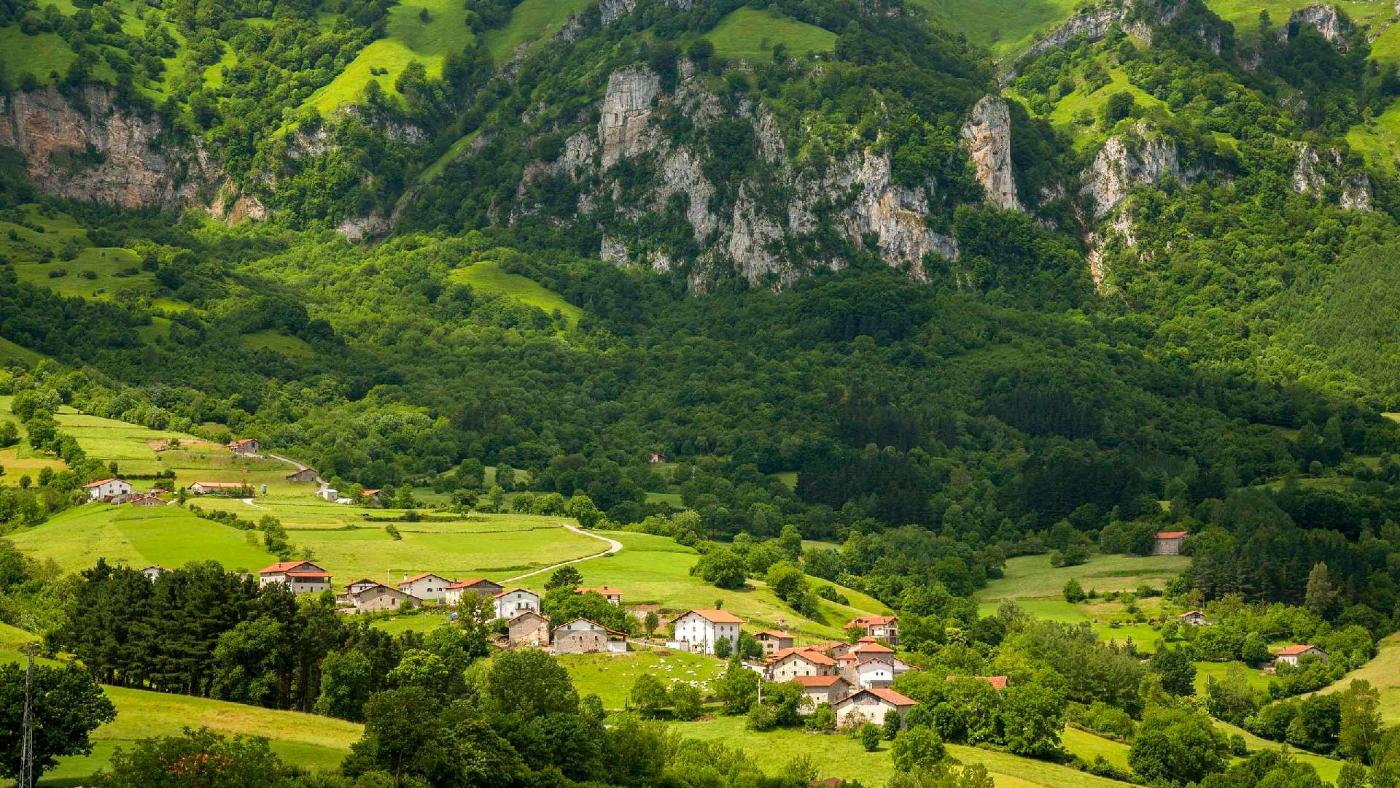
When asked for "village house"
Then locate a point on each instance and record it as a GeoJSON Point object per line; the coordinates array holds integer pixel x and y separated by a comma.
{"type": "Point", "coordinates": [1195, 618]}
{"type": "Point", "coordinates": [997, 682]}
{"type": "Point", "coordinates": [512, 603]}
{"type": "Point", "coordinates": [472, 585]}
{"type": "Point", "coordinates": [582, 636]}
{"type": "Point", "coordinates": [221, 488]}
{"type": "Point", "coordinates": [303, 475]}
{"type": "Point", "coordinates": [885, 628]}
{"type": "Point", "coordinates": [773, 640]}
{"type": "Point", "coordinates": [144, 500]}
{"type": "Point", "coordinates": [699, 630]}
{"type": "Point", "coordinates": [374, 495]}
{"type": "Point", "coordinates": [153, 572]}
{"type": "Point", "coordinates": [1292, 655]}
{"type": "Point", "coordinates": [869, 664]}
{"type": "Point", "coordinates": [817, 690]}
{"type": "Point", "coordinates": [871, 705]}
{"type": "Point", "coordinates": [107, 489]}
{"type": "Point", "coordinates": [301, 577]}
{"type": "Point", "coordinates": [245, 447]}
{"type": "Point", "coordinates": [613, 595]}
{"type": "Point", "coordinates": [1168, 542]}
{"type": "Point", "coordinates": [528, 629]}
{"type": "Point", "coordinates": [360, 585]}
{"type": "Point", "coordinates": [426, 586]}
{"type": "Point", "coordinates": [791, 663]}
{"type": "Point", "coordinates": [378, 597]}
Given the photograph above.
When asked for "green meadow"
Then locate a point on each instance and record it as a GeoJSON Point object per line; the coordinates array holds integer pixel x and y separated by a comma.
{"type": "Point", "coordinates": [488, 277]}
{"type": "Point", "coordinates": [1032, 576]}
{"type": "Point", "coordinates": [750, 33]}
{"type": "Point", "coordinates": [611, 676]}
{"type": "Point", "coordinates": [1383, 673]}
{"type": "Point", "coordinates": [531, 21]}
{"type": "Point", "coordinates": [138, 536]}
{"type": "Point", "coordinates": [1006, 27]}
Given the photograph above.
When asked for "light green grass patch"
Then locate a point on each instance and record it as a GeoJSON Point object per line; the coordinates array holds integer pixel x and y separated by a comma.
{"type": "Point", "coordinates": [1327, 768]}
{"type": "Point", "coordinates": [453, 152]}
{"type": "Point", "coordinates": [488, 277]}
{"type": "Point", "coordinates": [9, 351]}
{"type": "Point", "coordinates": [750, 33]}
{"type": "Point", "coordinates": [1079, 105]}
{"type": "Point", "coordinates": [1007, 27]}
{"type": "Point", "coordinates": [310, 741]}
{"type": "Point", "coordinates": [1378, 139]}
{"type": "Point", "coordinates": [407, 39]}
{"type": "Point", "coordinates": [1205, 671]}
{"type": "Point", "coordinates": [611, 676]}
{"type": "Point", "coordinates": [277, 342]}
{"type": "Point", "coordinates": [95, 273]}
{"type": "Point", "coordinates": [1383, 673]}
{"type": "Point", "coordinates": [531, 22]}
{"type": "Point", "coordinates": [1032, 576]}
{"type": "Point", "coordinates": [38, 55]}
{"type": "Point", "coordinates": [1088, 746]}
{"type": "Point", "coordinates": [138, 536]}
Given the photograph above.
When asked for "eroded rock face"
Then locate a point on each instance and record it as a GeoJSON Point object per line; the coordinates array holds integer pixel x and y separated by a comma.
{"type": "Point", "coordinates": [613, 10]}
{"type": "Point", "coordinates": [1127, 161]}
{"type": "Point", "coordinates": [92, 150]}
{"type": "Point", "coordinates": [1325, 19]}
{"type": "Point", "coordinates": [987, 135]}
{"type": "Point", "coordinates": [1317, 170]}
{"type": "Point", "coordinates": [626, 113]}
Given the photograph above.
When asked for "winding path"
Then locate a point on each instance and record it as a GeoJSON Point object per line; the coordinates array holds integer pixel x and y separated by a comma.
{"type": "Point", "coordinates": [613, 547]}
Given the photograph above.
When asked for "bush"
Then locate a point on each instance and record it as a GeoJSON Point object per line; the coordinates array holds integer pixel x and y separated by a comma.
{"type": "Point", "coordinates": [917, 748]}
{"type": "Point", "coordinates": [870, 737]}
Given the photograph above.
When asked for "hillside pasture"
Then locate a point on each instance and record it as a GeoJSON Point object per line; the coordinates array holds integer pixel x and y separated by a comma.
{"type": "Point", "coordinates": [1006, 27]}
{"type": "Point", "coordinates": [751, 34]}
{"type": "Point", "coordinates": [138, 536]}
{"type": "Point", "coordinates": [611, 676]}
{"type": "Point", "coordinates": [1032, 576]}
{"type": "Point", "coordinates": [531, 22]}
{"type": "Point", "coordinates": [1383, 673]}
{"type": "Point", "coordinates": [488, 277]}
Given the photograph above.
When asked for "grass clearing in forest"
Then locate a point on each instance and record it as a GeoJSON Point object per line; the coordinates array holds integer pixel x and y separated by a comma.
{"type": "Point", "coordinates": [138, 536]}
{"type": "Point", "coordinates": [1006, 27]}
{"type": "Point", "coordinates": [39, 55]}
{"type": "Point", "coordinates": [531, 22]}
{"type": "Point", "coordinates": [1383, 673]}
{"type": "Point", "coordinates": [752, 34]}
{"type": "Point", "coordinates": [1032, 576]}
{"type": "Point", "coordinates": [488, 277]}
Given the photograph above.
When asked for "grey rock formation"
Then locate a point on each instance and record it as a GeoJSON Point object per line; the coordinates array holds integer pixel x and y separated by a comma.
{"type": "Point", "coordinates": [987, 136]}
{"type": "Point", "coordinates": [1126, 161]}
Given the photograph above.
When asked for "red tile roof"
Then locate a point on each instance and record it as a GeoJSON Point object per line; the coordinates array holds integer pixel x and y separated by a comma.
{"type": "Point", "coordinates": [1289, 651]}
{"type": "Point", "coordinates": [713, 616]}
{"type": "Point", "coordinates": [242, 441]}
{"type": "Point", "coordinates": [223, 485]}
{"type": "Point", "coordinates": [890, 696]}
{"type": "Point", "coordinates": [773, 633]}
{"type": "Point", "coordinates": [814, 657]}
{"type": "Point", "coordinates": [817, 681]}
{"type": "Point", "coordinates": [1170, 534]}
{"type": "Point", "coordinates": [416, 578]}
{"type": "Point", "coordinates": [471, 581]}
{"type": "Point", "coordinates": [309, 574]}
{"type": "Point", "coordinates": [100, 483]}
{"type": "Point", "coordinates": [871, 646]}
{"type": "Point", "coordinates": [871, 621]}
{"type": "Point", "coordinates": [280, 567]}
{"type": "Point", "coordinates": [998, 682]}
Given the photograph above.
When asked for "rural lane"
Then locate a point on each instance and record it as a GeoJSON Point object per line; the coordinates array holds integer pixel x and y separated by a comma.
{"type": "Point", "coordinates": [613, 547]}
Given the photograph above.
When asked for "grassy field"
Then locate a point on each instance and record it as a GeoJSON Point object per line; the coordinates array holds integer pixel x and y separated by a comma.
{"type": "Point", "coordinates": [656, 570]}
{"type": "Point", "coordinates": [1327, 768]}
{"type": "Point", "coordinates": [610, 676]}
{"type": "Point", "coordinates": [1004, 26]}
{"type": "Point", "coordinates": [20, 459]}
{"type": "Point", "coordinates": [1032, 576]}
{"type": "Point", "coordinates": [38, 55]}
{"type": "Point", "coordinates": [138, 537]}
{"type": "Point", "coordinates": [1384, 674]}
{"type": "Point", "coordinates": [750, 33]}
{"type": "Point", "coordinates": [1088, 745]}
{"type": "Point", "coordinates": [837, 755]}
{"type": "Point", "coordinates": [531, 22]}
{"type": "Point", "coordinates": [1219, 670]}
{"type": "Point", "coordinates": [407, 39]}
{"type": "Point", "coordinates": [488, 277]}
{"type": "Point", "coordinates": [276, 342]}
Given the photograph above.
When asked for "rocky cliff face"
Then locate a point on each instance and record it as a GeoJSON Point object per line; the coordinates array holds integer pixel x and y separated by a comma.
{"type": "Point", "coordinates": [90, 149]}
{"type": "Point", "coordinates": [1323, 172]}
{"type": "Point", "coordinates": [987, 135]}
{"type": "Point", "coordinates": [1325, 19]}
{"type": "Point", "coordinates": [757, 232]}
{"type": "Point", "coordinates": [1125, 162]}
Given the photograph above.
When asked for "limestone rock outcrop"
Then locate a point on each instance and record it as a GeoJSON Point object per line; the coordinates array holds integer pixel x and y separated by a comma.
{"type": "Point", "coordinates": [987, 136]}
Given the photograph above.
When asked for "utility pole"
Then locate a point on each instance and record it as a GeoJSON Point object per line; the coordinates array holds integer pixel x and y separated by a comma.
{"type": "Point", "coordinates": [26, 763]}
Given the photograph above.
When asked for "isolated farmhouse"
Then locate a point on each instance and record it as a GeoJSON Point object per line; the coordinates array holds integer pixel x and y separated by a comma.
{"type": "Point", "coordinates": [1168, 542]}
{"type": "Point", "coordinates": [107, 489]}
{"type": "Point", "coordinates": [1292, 655]}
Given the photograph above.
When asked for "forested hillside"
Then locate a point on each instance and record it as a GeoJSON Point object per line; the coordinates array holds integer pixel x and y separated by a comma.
{"type": "Point", "coordinates": [941, 284]}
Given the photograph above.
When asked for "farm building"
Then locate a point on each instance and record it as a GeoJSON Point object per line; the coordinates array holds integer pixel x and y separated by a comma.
{"type": "Point", "coordinates": [613, 595]}
{"type": "Point", "coordinates": [699, 630]}
{"type": "Point", "coordinates": [360, 585]}
{"type": "Point", "coordinates": [374, 496]}
{"type": "Point", "coordinates": [528, 629]}
{"type": "Point", "coordinates": [221, 488]}
{"type": "Point", "coordinates": [1195, 618]}
{"type": "Point", "coordinates": [302, 577]}
{"type": "Point", "coordinates": [328, 494]}
{"type": "Point", "coordinates": [871, 705]}
{"type": "Point", "coordinates": [145, 500]}
{"type": "Point", "coordinates": [303, 475]}
{"type": "Point", "coordinates": [512, 603]}
{"type": "Point", "coordinates": [473, 585]}
{"type": "Point", "coordinates": [245, 447]}
{"type": "Point", "coordinates": [377, 597]}
{"type": "Point", "coordinates": [426, 586]}
{"type": "Point", "coordinates": [885, 628]}
{"type": "Point", "coordinates": [791, 663]}
{"type": "Point", "coordinates": [817, 690]}
{"type": "Point", "coordinates": [1292, 655]}
{"type": "Point", "coordinates": [773, 640]}
{"type": "Point", "coordinates": [582, 636]}
{"type": "Point", "coordinates": [107, 489]}
{"type": "Point", "coordinates": [1168, 542]}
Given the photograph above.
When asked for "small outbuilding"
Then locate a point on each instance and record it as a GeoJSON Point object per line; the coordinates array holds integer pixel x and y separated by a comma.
{"type": "Point", "coordinates": [582, 636]}
{"type": "Point", "coordinates": [528, 629]}
{"type": "Point", "coordinates": [1168, 542]}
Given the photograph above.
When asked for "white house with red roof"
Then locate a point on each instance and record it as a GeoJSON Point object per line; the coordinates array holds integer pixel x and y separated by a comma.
{"type": "Point", "coordinates": [613, 595]}
{"type": "Point", "coordinates": [773, 640]}
{"type": "Point", "coordinates": [1292, 655]}
{"type": "Point", "coordinates": [817, 690]}
{"type": "Point", "coordinates": [700, 629]}
{"type": "Point", "coordinates": [1168, 542]}
{"type": "Point", "coordinates": [512, 603]}
{"type": "Point", "coordinates": [107, 489]}
{"type": "Point", "coordinates": [301, 577]}
{"type": "Point", "coordinates": [871, 705]}
{"type": "Point", "coordinates": [426, 586]}
{"type": "Point", "coordinates": [471, 585]}
{"type": "Point", "coordinates": [885, 628]}
{"type": "Point", "coordinates": [1195, 618]}
{"type": "Point", "coordinates": [792, 663]}
{"type": "Point", "coordinates": [870, 664]}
